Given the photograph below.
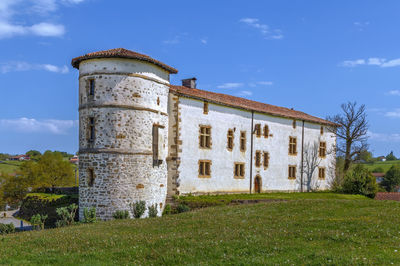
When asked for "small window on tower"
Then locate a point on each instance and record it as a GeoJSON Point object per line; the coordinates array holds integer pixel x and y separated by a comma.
{"type": "Point", "coordinates": [92, 130]}
{"type": "Point", "coordinates": [91, 177]}
{"type": "Point", "coordinates": [91, 87]}
{"type": "Point", "coordinates": [205, 108]}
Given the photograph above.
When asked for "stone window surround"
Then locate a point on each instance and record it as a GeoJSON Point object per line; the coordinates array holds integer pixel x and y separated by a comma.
{"type": "Point", "coordinates": [322, 149]}
{"type": "Point", "coordinates": [266, 131]}
{"type": "Point", "coordinates": [238, 170]}
{"type": "Point", "coordinates": [292, 145]}
{"type": "Point", "coordinates": [266, 159]}
{"type": "Point", "coordinates": [242, 141]}
{"type": "Point", "coordinates": [257, 158]}
{"type": "Point", "coordinates": [204, 165]}
{"type": "Point", "coordinates": [292, 171]}
{"type": "Point", "coordinates": [207, 142]}
{"type": "Point", "coordinates": [230, 139]}
{"type": "Point", "coordinates": [321, 173]}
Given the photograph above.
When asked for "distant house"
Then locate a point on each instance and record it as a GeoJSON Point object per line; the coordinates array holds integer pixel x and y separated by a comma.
{"type": "Point", "coordinates": [381, 158]}
{"type": "Point", "coordinates": [20, 158]}
{"type": "Point", "coordinates": [379, 177]}
{"type": "Point", "coordinates": [74, 160]}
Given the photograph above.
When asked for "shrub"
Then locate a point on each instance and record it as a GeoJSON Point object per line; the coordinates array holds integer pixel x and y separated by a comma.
{"type": "Point", "coordinates": [378, 170]}
{"type": "Point", "coordinates": [6, 229]}
{"type": "Point", "coordinates": [182, 208]}
{"type": "Point", "coordinates": [89, 215]}
{"type": "Point", "coordinates": [153, 210]}
{"type": "Point", "coordinates": [138, 208]}
{"type": "Point", "coordinates": [360, 181]}
{"type": "Point", "coordinates": [67, 215]}
{"type": "Point", "coordinates": [391, 181]}
{"type": "Point", "coordinates": [167, 209]}
{"type": "Point", "coordinates": [121, 214]}
{"type": "Point", "coordinates": [37, 221]}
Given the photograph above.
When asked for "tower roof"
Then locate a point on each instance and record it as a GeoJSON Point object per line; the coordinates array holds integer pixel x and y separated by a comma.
{"type": "Point", "coordinates": [121, 53]}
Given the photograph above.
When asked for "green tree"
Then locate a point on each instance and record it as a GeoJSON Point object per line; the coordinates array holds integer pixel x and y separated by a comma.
{"type": "Point", "coordinates": [391, 181]}
{"type": "Point", "coordinates": [391, 157]}
{"type": "Point", "coordinates": [14, 188]}
{"type": "Point", "coordinates": [365, 156]}
{"type": "Point", "coordinates": [360, 181]}
{"type": "Point", "coordinates": [54, 171]}
{"type": "Point", "coordinates": [34, 155]}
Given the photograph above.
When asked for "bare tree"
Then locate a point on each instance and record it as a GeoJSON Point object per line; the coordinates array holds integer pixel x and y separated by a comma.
{"type": "Point", "coordinates": [352, 133]}
{"type": "Point", "coordinates": [311, 161]}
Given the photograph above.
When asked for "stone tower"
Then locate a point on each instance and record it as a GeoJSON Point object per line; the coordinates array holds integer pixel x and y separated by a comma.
{"type": "Point", "coordinates": [123, 130]}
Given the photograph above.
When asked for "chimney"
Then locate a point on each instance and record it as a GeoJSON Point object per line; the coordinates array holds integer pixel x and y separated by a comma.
{"type": "Point", "coordinates": [190, 83]}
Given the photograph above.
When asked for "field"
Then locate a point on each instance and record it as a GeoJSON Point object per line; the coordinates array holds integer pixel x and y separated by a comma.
{"type": "Point", "coordinates": [384, 165]}
{"type": "Point", "coordinates": [9, 167]}
{"type": "Point", "coordinates": [319, 229]}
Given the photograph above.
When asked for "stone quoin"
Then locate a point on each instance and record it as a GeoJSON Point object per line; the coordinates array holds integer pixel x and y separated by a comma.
{"type": "Point", "coordinates": [142, 139]}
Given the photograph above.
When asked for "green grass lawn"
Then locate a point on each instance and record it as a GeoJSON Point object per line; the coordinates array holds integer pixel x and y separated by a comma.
{"type": "Point", "coordinates": [9, 167]}
{"type": "Point", "coordinates": [306, 230]}
{"type": "Point", "coordinates": [384, 165]}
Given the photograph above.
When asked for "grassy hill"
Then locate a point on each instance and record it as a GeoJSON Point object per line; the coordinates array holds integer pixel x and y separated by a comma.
{"type": "Point", "coordinates": [9, 167]}
{"type": "Point", "coordinates": [384, 165]}
{"type": "Point", "coordinates": [296, 231]}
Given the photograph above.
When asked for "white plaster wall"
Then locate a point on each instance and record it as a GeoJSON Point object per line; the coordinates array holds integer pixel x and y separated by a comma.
{"type": "Point", "coordinates": [222, 118]}
{"type": "Point", "coordinates": [123, 65]}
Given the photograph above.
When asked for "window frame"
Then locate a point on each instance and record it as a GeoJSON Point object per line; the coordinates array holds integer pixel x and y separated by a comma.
{"type": "Point", "coordinates": [204, 137]}
{"type": "Point", "coordinates": [203, 166]}
{"type": "Point", "coordinates": [239, 170]}
{"type": "Point", "coordinates": [91, 177]}
{"type": "Point", "coordinates": [91, 129]}
{"type": "Point", "coordinates": [92, 86]}
{"type": "Point", "coordinates": [292, 169]}
{"type": "Point", "coordinates": [257, 159]}
{"type": "Point", "coordinates": [266, 131]}
{"type": "Point", "coordinates": [257, 130]}
{"type": "Point", "coordinates": [292, 145]}
{"type": "Point", "coordinates": [322, 149]}
{"type": "Point", "coordinates": [265, 159]}
{"type": "Point", "coordinates": [323, 171]}
{"type": "Point", "coordinates": [205, 108]}
{"type": "Point", "coordinates": [243, 140]}
{"type": "Point", "coordinates": [230, 139]}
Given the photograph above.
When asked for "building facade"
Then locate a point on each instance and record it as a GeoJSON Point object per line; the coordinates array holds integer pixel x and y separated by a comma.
{"type": "Point", "coordinates": [141, 138]}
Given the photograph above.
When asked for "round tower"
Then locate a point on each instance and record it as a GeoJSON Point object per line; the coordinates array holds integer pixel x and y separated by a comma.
{"type": "Point", "coordinates": [123, 131]}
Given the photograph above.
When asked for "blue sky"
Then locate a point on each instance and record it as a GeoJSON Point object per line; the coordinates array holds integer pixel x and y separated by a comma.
{"type": "Point", "coordinates": [309, 55]}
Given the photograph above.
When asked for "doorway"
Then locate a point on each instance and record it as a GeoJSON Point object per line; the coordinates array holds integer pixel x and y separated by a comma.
{"type": "Point", "coordinates": [257, 184]}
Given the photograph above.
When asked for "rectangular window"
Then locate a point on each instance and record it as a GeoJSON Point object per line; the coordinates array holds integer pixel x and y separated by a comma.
{"type": "Point", "coordinates": [239, 170]}
{"type": "Point", "coordinates": [91, 177]}
{"type": "Point", "coordinates": [242, 141]}
{"type": "Point", "coordinates": [205, 108]}
{"type": "Point", "coordinates": [257, 130]}
{"type": "Point", "coordinates": [258, 159]}
{"type": "Point", "coordinates": [292, 172]}
{"type": "Point", "coordinates": [266, 131]}
{"type": "Point", "coordinates": [294, 124]}
{"type": "Point", "coordinates": [292, 145]}
{"type": "Point", "coordinates": [91, 87]}
{"type": "Point", "coordinates": [230, 139]}
{"type": "Point", "coordinates": [266, 159]}
{"type": "Point", "coordinates": [322, 149]}
{"type": "Point", "coordinates": [92, 130]}
{"type": "Point", "coordinates": [321, 172]}
{"type": "Point", "coordinates": [205, 137]}
{"type": "Point", "coordinates": [322, 130]}
{"type": "Point", "coordinates": [158, 144]}
{"type": "Point", "coordinates": [204, 168]}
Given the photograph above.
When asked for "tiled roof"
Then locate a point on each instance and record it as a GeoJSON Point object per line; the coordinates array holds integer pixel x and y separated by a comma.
{"type": "Point", "coordinates": [378, 174]}
{"type": "Point", "coordinates": [121, 53]}
{"type": "Point", "coordinates": [233, 101]}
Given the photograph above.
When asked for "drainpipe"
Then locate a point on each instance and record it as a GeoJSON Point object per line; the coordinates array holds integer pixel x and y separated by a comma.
{"type": "Point", "coordinates": [302, 158]}
{"type": "Point", "coordinates": [251, 150]}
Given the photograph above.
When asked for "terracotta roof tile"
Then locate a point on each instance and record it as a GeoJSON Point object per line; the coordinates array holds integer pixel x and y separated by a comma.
{"type": "Point", "coordinates": [388, 196]}
{"type": "Point", "coordinates": [233, 101]}
{"type": "Point", "coordinates": [121, 53]}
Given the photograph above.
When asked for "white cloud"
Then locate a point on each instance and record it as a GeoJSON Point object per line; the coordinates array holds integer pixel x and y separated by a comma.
{"type": "Point", "coordinates": [361, 25]}
{"type": "Point", "coordinates": [13, 13]}
{"type": "Point", "coordinates": [395, 113]}
{"type": "Point", "coordinates": [204, 40]}
{"type": "Point", "coordinates": [244, 93]}
{"type": "Point", "coordinates": [264, 29]}
{"type": "Point", "coordinates": [16, 66]}
{"type": "Point", "coordinates": [372, 61]}
{"type": "Point", "coordinates": [266, 83]}
{"type": "Point", "coordinates": [384, 137]}
{"type": "Point", "coordinates": [230, 85]}
{"type": "Point", "coordinates": [31, 125]}
{"type": "Point", "coordinates": [393, 93]}
{"type": "Point", "coordinates": [174, 40]}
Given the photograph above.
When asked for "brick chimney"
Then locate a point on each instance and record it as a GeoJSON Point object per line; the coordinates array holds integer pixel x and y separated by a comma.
{"type": "Point", "coordinates": [190, 83]}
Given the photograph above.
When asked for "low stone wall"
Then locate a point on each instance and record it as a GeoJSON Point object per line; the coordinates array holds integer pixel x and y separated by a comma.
{"type": "Point", "coordinates": [388, 196]}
